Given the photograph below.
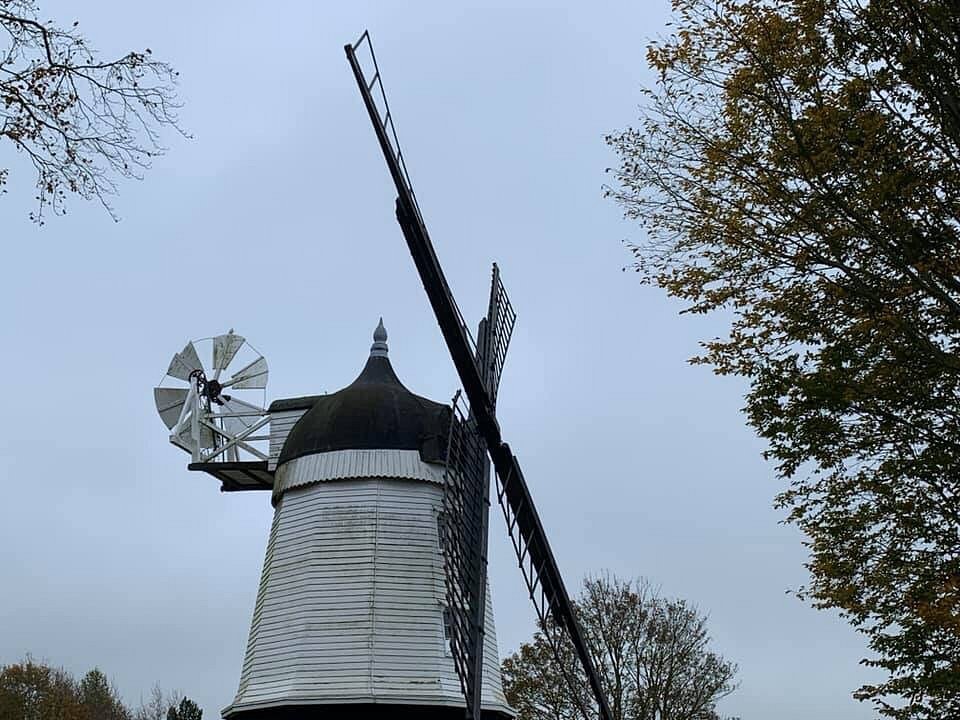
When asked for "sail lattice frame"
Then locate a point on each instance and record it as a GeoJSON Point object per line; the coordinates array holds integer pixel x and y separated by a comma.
{"type": "Point", "coordinates": [463, 529]}
{"type": "Point", "coordinates": [474, 377]}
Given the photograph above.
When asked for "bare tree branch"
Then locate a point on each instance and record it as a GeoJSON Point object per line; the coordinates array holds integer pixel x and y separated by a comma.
{"type": "Point", "coordinates": [82, 122]}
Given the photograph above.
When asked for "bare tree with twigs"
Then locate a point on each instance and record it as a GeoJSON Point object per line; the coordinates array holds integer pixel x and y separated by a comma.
{"type": "Point", "coordinates": [653, 654]}
{"type": "Point", "coordinates": [81, 121]}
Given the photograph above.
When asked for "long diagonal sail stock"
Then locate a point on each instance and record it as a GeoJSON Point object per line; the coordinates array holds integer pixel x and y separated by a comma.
{"type": "Point", "coordinates": [547, 584]}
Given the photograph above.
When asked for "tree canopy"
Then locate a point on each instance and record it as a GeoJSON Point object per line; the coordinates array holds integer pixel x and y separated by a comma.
{"type": "Point", "coordinates": [797, 168]}
{"type": "Point", "coordinates": [187, 709]}
{"type": "Point", "coordinates": [80, 120]}
{"type": "Point", "coordinates": [100, 698]}
{"type": "Point", "coordinates": [30, 690]}
{"type": "Point", "coordinates": [36, 692]}
{"type": "Point", "coordinates": [652, 654]}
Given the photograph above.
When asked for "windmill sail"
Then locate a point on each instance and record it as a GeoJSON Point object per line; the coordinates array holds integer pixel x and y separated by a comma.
{"type": "Point", "coordinates": [216, 428]}
{"type": "Point", "coordinates": [225, 348]}
{"type": "Point", "coordinates": [494, 336]}
{"type": "Point", "coordinates": [253, 376]}
{"type": "Point", "coordinates": [466, 492]}
{"type": "Point", "coordinates": [184, 362]}
{"type": "Point", "coordinates": [238, 416]}
{"type": "Point", "coordinates": [187, 441]}
{"type": "Point", "coordinates": [169, 402]}
{"type": "Point", "coordinates": [466, 502]}
{"type": "Point", "coordinates": [530, 541]}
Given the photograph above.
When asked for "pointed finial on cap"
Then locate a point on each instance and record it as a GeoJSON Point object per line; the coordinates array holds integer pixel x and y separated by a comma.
{"type": "Point", "coordinates": [379, 347]}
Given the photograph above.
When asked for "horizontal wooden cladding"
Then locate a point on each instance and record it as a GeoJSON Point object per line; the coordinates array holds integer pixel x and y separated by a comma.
{"type": "Point", "coordinates": [281, 423]}
{"type": "Point", "coordinates": [348, 464]}
{"type": "Point", "coordinates": [350, 602]}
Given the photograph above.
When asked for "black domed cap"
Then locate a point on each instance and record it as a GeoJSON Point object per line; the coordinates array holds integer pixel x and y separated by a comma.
{"type": "Point", "coordinates": [374, 412]}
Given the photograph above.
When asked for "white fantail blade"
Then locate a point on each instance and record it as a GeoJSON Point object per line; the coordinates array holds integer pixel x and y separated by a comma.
{"type": "Point", "coordinates": [236, 425]}
{"type": "Point", "coordinates": [225, 348]}
{"type": "Point", "coordinates": [169, 402]}
{"type": "Point", "coordinates": [184, 363]}
{"type": "Point", "coordinates": [185, 436]}
{"type": "Point", "coordinates": [253, 376]}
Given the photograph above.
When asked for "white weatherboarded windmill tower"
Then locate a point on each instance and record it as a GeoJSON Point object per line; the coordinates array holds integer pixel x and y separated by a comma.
{"type": "Point", "coordinates": [351, 618]}
{"type": "Point", "coordinates": [373, 600]}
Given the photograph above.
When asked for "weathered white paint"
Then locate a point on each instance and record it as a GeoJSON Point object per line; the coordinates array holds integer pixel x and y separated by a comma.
{"type": "Point", "coordinates": [345, 464]}
{"type": "Point", "coordinates": [220, 430]}
{"type": "Point", "coordinates": [280, 425]}
{"type": "Point", "coordinates": [184, 363]}
{"type": "Point", "coordinates": [250, 377]}
{"type": "Point", "coordinates": [225, 347]}
{"type": "Point", "coordinates": [170, 404]}
{"type": "Point", "coordinates": [350, 606]}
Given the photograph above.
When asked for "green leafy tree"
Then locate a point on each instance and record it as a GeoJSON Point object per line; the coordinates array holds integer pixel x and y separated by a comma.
{"type": "Point", "coordinates": [100, 698]}
{"type": "Point", "coordinates": [186, 710]}
{"type": "Point", "coordinates": [652, 654]}
{"type": "Point", "coordinates": [797, 168]}
{"type": "Point", "coordinates": [80, 120]}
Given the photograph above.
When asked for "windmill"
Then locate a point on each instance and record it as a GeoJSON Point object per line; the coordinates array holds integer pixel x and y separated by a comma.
{"type": "Point", "coordinates": [215, 417]}
{"type": "Point", "coordinates": [354, 616]}
{"type": "Point", "coordinates": [474, 434]}
{"type": "Point", "coordinates": [373, 599]}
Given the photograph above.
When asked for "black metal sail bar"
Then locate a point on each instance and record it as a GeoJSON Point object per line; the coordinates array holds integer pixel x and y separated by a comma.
{"type": "Point", "coordinates": [513, 486]}
{"type": "Point", "coordinates": [463, 531]}
{"type": "Point", "coordinates": [466, 502]}
{"type": "Point", "coordinates": [494, 336]}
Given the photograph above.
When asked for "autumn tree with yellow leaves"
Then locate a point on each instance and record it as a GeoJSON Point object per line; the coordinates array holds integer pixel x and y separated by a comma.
{"type": "Point", "coordinates": [797, 171]}
{"type": "Point", "coordinates": [31, 690]}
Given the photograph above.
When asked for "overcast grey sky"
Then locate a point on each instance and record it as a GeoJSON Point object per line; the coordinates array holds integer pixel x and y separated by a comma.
{"type": "Point", "coordinates": [277, 220]}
